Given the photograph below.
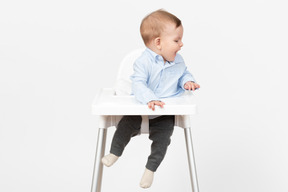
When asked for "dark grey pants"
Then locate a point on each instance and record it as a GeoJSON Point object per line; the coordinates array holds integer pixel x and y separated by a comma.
{"type": "Point", "coordinates": [160, 131]}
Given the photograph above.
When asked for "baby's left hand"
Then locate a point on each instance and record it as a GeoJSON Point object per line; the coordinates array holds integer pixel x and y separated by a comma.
{"type": "Point", "coordinates": [189, 85]}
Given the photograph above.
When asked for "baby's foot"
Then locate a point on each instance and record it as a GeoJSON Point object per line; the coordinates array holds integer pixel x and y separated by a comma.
{"type": "Point", "coordinates": [147, 179]}
{"type": "Point", "coordinates": [109, 159]}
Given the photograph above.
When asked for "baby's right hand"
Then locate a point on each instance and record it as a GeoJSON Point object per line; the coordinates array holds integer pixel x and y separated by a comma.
{"type": "Point", "coordinates": [152, 104]}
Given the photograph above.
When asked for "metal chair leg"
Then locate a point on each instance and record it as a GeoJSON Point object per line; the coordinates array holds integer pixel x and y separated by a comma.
{"type": "Point", "coordinates": [191, 160]}
{"type": "Point", "coordinates": [98, 166]}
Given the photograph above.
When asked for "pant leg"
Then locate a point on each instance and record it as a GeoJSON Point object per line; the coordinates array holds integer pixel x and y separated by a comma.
{"type": "Point", "coordinates": [160, 131]}
{"type": "Point", "coordinates": [127, 127]}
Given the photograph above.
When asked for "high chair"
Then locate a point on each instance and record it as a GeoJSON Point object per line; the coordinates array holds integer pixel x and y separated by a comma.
{"type": "Point", "coordinates": [110, 104]}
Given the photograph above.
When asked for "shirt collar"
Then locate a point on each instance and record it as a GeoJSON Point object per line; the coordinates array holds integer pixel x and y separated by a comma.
{"type": "Point", "coordinates": [154, 55]}
{"type": "Point", "coordinates": [158, 57]}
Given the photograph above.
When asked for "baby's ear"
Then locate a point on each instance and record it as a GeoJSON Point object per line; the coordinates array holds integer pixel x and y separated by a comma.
{"type": "Point", "coordinates": [157, 43]}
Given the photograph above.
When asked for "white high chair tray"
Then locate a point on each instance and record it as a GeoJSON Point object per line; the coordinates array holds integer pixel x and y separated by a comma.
{"type": "Point", "coordinates": [107, 103]}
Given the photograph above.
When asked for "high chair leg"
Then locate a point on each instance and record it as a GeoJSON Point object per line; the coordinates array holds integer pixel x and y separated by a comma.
{"type": "Point", "coordinates": [98, 166]}
{"type": "Point", "coordinates": [191, 160]}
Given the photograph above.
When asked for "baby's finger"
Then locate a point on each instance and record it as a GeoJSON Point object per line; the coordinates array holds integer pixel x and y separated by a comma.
{"type": "Point", "coordinates": [161, 104]}
{"type": "Point", "coordinates": [152, 106]}
{"type": "Point", "coordinates": [190, 86]}
{"type": "Point", "coordinates": [185, 86]}
{"type": "Point", "coordinates": [193, 87]}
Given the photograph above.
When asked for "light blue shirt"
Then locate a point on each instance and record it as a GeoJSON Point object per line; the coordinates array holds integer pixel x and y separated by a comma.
{"type": "Point", "coordinates": [153, 79]}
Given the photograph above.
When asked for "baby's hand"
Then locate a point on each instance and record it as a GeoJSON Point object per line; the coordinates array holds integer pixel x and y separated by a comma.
{"type": "Point", "coordinates": [189, 85]}
{"type": "Point", "coordinates": [152, 104]}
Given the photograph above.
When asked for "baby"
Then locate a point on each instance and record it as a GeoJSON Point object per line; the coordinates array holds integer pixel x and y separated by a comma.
{"type": "Point", "coordinates": [160, 72]}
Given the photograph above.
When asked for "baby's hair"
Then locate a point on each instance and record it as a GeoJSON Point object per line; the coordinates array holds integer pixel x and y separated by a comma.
{"type": "Point", "coordinates": [153, 24]}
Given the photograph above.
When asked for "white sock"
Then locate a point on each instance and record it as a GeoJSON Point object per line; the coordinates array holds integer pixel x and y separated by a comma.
{"type": "Point", "coordinates": [109, 159]}
{"type": "Point", "coordinates": [147, 179]}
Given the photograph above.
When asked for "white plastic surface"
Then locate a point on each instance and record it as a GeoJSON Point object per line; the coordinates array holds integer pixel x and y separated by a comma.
{"type": "Point", "coordinates": [123, 82]}
{"type": "Point", "coordinates": [107, 103]}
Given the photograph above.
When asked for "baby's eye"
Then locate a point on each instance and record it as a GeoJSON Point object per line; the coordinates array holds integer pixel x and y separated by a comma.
{"type": "Point", "coordinates": [176, 41]}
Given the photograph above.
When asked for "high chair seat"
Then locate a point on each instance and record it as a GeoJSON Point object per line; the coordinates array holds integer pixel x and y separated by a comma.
{"type": "Point", "coordinates": [109, 107]}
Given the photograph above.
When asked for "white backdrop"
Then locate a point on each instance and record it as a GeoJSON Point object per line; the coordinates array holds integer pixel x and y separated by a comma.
{"type": "Point", "coordinates": [55, 55]}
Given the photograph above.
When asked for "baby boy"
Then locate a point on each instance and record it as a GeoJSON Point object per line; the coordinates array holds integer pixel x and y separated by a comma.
{"type": "Point", "coordinates": [160, 72]}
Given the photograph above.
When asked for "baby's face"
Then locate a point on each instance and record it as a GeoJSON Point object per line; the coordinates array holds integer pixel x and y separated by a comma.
{"type": "Point", "coordinates": [171, 41]}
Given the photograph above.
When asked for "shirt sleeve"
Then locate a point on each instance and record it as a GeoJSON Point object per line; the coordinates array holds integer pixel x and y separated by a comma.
{"type": "Point", "coordinates": [187, 76]}
{"type": "Point", "coordinates": [139, 79]}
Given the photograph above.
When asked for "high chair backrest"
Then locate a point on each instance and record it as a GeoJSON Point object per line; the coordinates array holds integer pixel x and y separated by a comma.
{"type": "Point", "coordinates": [123, 82]}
